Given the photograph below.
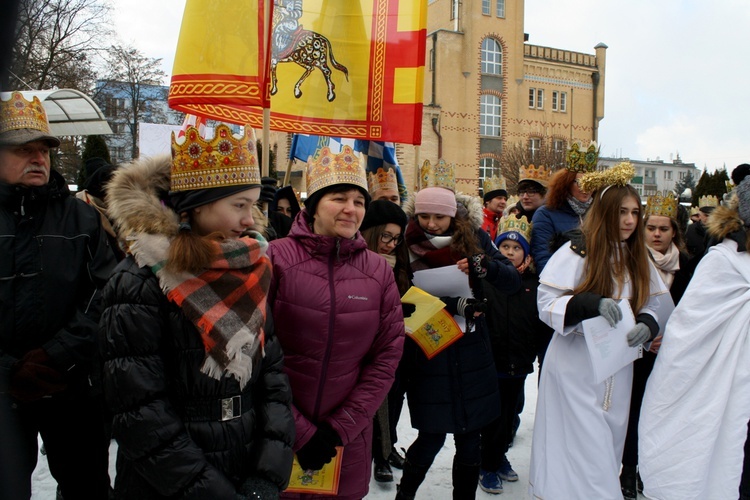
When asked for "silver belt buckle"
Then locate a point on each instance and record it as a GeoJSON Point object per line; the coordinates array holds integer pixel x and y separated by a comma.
{"type": "Point", "coordinates": [231, 408]}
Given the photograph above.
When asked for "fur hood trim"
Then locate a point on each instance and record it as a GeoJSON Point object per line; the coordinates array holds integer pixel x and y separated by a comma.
{"type": "Point", "coordinates": [134, 198]}
{"type": "Point", "coordinates": [724, 220]}
{"type": "Point", "coordinates": [473, 205]}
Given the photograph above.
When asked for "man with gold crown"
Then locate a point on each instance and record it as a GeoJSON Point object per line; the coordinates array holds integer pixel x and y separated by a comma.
{"type": "Point", "coordinates": [695, 238]}
{"type": "Point", "coordinates": [383, 185]}
{"type": "Point", "coordinates": [531, 189]}
{"type": "Point", "coordinates": [495, 198]}
{"type": "Point", "coordinates": [55, 259]}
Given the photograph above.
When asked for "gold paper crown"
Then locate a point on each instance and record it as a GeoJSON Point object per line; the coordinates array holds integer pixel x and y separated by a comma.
{"type": "Point", "coordinates": [512, 200]}
{"type": "Point", "coordinates": [18, 113]}
{"type": "Point", "coordinates": [225, 160]}
{"type": "Point", "coordinates": [521, 226]}
{"type": "Point", "coordinates": [326, 169]}
{"type": "Point", "coordinates": [694, 211]}
{"type": "Point", "coordinates": [708, 201]}
{"type": "Point", "coordinates": [441, 175]}
{"type": "Point", "coordinates": [494, 183]}
{"type": "Point", "coordinates": [665, 206]}
{"type": "Point", "coordinates": [619, 175]}
{"type": "Point", "coordinates": [538, 174]}
{"type": "Point", "coordinates": [730, 185]}
{"type": "Point", "coordinates": [577, 161]}
{"type": "Point", "coordinates": [383, 178]}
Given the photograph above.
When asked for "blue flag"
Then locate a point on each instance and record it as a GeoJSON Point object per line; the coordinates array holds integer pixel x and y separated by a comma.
{"type": "Point", "coordinates": [304, 146]}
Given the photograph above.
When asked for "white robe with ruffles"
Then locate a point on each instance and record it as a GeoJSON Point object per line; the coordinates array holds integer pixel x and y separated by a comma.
{"type": "Point", "coordinates": [697, 403]}
{"type": "Point", "coordinates": [580, 425]}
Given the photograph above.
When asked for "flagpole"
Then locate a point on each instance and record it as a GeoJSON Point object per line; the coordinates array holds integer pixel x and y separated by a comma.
{"type": "Point", "coordinates": [288, 173]}
{"type": "Point", "coordinates": [416, 169]}
{"type": "Point", "coordinates": [266, 111]}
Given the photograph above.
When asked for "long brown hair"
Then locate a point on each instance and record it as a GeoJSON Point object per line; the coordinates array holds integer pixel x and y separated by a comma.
{"type": "Point", "coordinates": [608, 262]}
{"type": "Point", "coordinates": [559, 188]}
{"type": "Point", "coordinates": [401, 269]}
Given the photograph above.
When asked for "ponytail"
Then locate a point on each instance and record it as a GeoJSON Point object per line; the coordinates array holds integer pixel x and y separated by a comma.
{"type": "Point", "coordinates": [190, 252]}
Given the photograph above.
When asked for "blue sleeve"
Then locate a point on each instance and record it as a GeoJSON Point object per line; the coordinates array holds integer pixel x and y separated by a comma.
{"type": "Point", "coordinates": [501, 273]}
{"type": "Point", "coordinates": [542, 232]}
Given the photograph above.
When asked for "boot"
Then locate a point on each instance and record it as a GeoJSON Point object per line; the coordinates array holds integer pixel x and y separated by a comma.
{"type": "Point", "coordinates": [411, 479]}
{"type": "Point", "coordinates": [465, 479]}
{"type": "Point", "coordinates": [628, 482]}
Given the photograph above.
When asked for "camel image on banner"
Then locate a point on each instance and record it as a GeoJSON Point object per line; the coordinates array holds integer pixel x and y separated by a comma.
{"type": "Point", "coordinates": [292, 43]}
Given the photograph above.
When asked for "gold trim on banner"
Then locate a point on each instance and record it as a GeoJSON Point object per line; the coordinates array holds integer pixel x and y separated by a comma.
{"type": "Point", "coordinates": [378, 57]}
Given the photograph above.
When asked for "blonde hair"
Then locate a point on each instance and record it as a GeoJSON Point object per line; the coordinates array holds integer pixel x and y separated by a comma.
{"type": "Point", "coordinates": [608, 262]}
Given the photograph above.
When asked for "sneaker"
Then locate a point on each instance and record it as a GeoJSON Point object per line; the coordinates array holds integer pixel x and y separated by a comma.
{"type": "Point", "coordinates": [490, 482]}
{"type": "Point", "coordinates": [396, 459]}
{"type": "Point", "coordinates": [383, 473]}
{"type": "Point", "coordinates": [506, 472]}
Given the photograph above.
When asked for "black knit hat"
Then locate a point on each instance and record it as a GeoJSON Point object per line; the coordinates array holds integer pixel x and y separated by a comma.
{"type": "Point", "coordinates": [311, 203]}
{"type": "Point", "coordinates": [382, 212]}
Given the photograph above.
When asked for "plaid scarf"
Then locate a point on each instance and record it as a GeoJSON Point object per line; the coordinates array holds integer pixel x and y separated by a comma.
{"type": "Point", "coordinates": [424, 253]}
{"type": "Point", "coordinates": [226, 302]}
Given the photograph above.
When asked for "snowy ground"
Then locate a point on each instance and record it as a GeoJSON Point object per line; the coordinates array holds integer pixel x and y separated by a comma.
{"type": "Point", "coordinates": [437, 485]}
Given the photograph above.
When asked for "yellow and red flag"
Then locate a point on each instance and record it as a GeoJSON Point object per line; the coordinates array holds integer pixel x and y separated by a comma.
{"type": "Point", "coordinates": [347, 68]}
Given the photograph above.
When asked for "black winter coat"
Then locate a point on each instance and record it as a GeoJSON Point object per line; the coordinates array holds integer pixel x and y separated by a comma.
{"type": "Point", "coordinates": [456, 391]}
{"type": "Point", "coordinates": [516, 332]}
{"type": "Point", "coordinates": [54, 258]}
{"type": "Point", "coordinates": [167, 414]}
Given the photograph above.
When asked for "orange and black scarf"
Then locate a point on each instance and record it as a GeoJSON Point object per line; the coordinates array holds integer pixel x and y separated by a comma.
{"type": "Point", "coordinates": [226, 302]}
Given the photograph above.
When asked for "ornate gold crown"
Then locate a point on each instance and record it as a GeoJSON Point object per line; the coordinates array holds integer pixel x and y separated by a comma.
{"type": "Point", "coordinates": [441, 175]}
{"type": "Point", "coordinates": [326, 169]}
{"type": "Point", "coordinates": [226, 160]}
{"type": "Point", "coordinates": [618, 175]}
{"type": "Point", "coordinates": [383, 178]}
{"type": "Point", "coordinates": [494, 183]}
{"type": "Point", "coordinates": [708, 201]}
{"type": "Point", "coordinates": [538, 174]}
{"type": "Point", "coordinates": [521, 226]}
{"type": "Point", "coordinates": [577, 161]}
{"type": "Point", "coordinates": [18, 113]}
{"type": "Point", "coordinates": [666, 206]}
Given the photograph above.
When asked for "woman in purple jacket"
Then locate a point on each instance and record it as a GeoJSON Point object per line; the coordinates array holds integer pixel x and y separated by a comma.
{"type": "Point", "coordinates": [338, 317]}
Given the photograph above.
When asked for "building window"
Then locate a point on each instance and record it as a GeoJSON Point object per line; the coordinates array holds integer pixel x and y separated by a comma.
{"type": "Point", "coordinates": [114, 107]}
{"type": "Point", "coordinates": [559, 101]}
{"type": "Point", "coordinates": [668, 175]}
{"type": "Point", "coordinates": [500, 8]}
{"type": "Point", "coordinates": [492, 57]}
{"type": "Point", "coordinates": [536, 98]}
{"type": "Point", "coordinates": [487, 166]}
{"type": "Point", "coordinates": [535, 147]}
{"type": "Point", "coordinates": [454, 9]}
{"type": "Point", "coordinates": [486, 7]}
{"type": "Point", "coordinates": [683, 175]}
{"type": "Point", "coordinates": [558, 145]}
{"type": "Point", "coordinates": [432, 59]}
{"type": "Point", "coordinates": [490, 114]}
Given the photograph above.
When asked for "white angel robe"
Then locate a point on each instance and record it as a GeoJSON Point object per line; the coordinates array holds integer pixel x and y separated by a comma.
{"type": "Point", "coordinates": [580, 425]}
{"type": "Point", "coordinates": [697, 403]}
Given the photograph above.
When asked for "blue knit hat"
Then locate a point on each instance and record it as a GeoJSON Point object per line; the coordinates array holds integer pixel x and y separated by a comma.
{"type": "Point", "coordinates": [518, 230]}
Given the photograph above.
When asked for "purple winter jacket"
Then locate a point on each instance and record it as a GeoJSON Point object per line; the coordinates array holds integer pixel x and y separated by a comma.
{"type": "Point", "coordinates": [338, 316]}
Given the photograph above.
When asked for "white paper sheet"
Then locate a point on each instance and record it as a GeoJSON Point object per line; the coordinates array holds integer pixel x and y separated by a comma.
{"type": "Point", "coordinates": [446, 281]}
{"type": "Point", "coordinates": [608, 346]}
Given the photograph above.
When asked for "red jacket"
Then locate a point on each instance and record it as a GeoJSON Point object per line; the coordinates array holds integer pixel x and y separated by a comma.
{"type": "Point", "coordinates": [338, 316]}
{"type": "Point", "coordinates": [489, 224]}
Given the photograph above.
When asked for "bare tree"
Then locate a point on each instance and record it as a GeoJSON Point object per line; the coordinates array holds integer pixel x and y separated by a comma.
{"type": "Point", "coordinates": [519, 154]}
{"type": "Point", "coordinates": [58, 43]}
{"type": "Point", "coordinates": [135, 75]}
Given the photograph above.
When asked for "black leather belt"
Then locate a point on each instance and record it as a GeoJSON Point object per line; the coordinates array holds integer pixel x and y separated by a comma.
{"type": "Point", "coordinates": [217, 409]}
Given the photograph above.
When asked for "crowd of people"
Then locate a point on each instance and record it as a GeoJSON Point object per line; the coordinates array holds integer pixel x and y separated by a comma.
{"type": "Point", "coordinates": [225, 334]}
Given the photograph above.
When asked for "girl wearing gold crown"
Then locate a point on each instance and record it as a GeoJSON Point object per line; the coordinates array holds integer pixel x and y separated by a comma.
{"type": "Point", "coordinates": [192, 368]}
{"type": "Point", "coordinates": [694, 418]}
{"type": "Point", "coordinates": [338, 315]}
{"type": "Point", "coordinates": [580, 424]}
{"type": "Point", "coordinates": [666, 248]}
{"type": "Point", "coordinates": [455, 391]}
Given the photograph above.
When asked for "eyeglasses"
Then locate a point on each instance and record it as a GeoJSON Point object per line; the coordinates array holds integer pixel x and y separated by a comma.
{"type": "Point", "coordinates": [529, 191]}
{"type": "Point", "coordinates": [387, 238]}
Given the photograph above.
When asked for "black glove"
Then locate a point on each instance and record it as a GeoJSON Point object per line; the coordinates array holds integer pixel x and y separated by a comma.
{"type": "Point", "coordinates": [408, 309]}
{"type": "Point", "coordinates": [257, 488]}
{"type": "Point", "coordinates": [33, 377]}
{"type": "Point", "coordinates": [459, 306]}
{"type": "Point", "coordinates": [474, 306]}
{"type": "Point", "coordinates": [320, 449]}
{"type": "Point", "coordinates": [451, 305]}
{"type": "Point", "coordinates": [478, 265]}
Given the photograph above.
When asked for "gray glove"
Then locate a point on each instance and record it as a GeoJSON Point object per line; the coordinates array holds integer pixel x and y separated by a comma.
{"type": "Point", "coordinates": [610, 310]}
{"type": "Point", "coordinates": [638, 335]}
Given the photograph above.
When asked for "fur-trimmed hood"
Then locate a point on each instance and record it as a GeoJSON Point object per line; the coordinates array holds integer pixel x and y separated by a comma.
{"type": "Point", "coordinates": [725, 222]}
{"type": "Point", "coordinates": [473, 205]}
{"type": "Point", "coordinates": [135, 194]}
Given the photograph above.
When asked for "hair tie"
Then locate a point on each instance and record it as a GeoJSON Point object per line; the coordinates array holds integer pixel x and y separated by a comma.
{"type": "Point", "coordinates": [185, 226]}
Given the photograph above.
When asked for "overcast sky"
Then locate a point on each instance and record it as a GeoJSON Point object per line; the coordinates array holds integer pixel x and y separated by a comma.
{"type": "Point", "coordinates": [677, 73]}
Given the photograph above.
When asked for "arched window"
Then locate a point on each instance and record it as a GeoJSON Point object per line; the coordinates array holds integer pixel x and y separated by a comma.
{"type": "Point", "coordinates": [490, 114]}
{"type": "Point", "coordinates": [492, 57]}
